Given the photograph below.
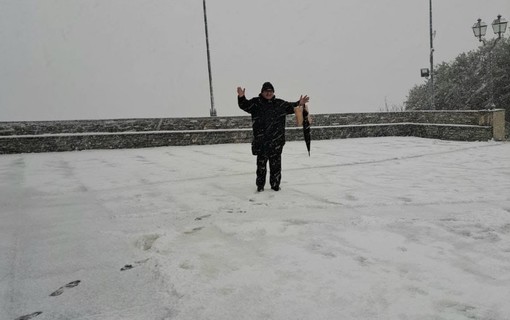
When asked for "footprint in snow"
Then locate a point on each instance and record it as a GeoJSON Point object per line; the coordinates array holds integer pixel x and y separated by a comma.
{"type": "Point", "coordinates": [135, 264]}
{"type": "Point", "coordinates": [60, 290]}
{"type": "Point", "coordinates": [202, 217]}
{"type": "Point", "coordinates": [258, 203]}
{"type": "Point", "coordinates": [193, 230]}
{"type": "Point", "coordinates": [29, 316]}
{"type": "Point", "coordinates": [236, 211]}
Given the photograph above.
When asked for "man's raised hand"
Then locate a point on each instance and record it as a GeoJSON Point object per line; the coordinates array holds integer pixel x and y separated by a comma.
{"type": "Point", "coordinates": [303, 100]}
{"type": "Point", "coordinates": [240, 91]}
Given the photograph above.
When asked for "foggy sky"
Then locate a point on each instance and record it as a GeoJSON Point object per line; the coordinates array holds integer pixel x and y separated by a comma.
{"type": "Point", "coordinates": [91, 59]}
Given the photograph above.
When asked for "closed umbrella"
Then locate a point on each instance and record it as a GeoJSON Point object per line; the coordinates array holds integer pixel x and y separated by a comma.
{"type": "Point", "coordinates": [306, 130]}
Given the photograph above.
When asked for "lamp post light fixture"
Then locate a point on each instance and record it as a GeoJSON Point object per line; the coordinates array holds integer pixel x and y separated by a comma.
{"type": "Point", "coordinates": [479, 30]}
{"type": "Point", "coordinates": [499, 26]}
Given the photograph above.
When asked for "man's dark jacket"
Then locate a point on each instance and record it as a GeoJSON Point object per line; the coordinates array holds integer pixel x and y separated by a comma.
{"type": "Point", "coordinates": [268, 122]}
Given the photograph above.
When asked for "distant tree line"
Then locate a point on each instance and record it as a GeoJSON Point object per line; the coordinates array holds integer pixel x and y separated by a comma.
{"type": "Point", "coordinates": [465, 83]}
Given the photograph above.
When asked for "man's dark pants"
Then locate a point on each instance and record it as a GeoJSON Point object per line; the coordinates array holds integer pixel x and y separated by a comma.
{"type": "Point", "coordinates": [275, 170]}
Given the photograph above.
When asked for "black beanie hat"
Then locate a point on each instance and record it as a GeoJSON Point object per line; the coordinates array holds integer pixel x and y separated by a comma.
{"type": "Point", "coordinates": [267, 86]}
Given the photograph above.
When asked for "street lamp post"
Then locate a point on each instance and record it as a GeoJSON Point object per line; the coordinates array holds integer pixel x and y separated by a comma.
{"type": "Point", "coordinates": [426, 73]}
{"type": "Point", "coordinates": [432, 102]}
{"type": "Point", "coordinates": [479, 30]}
{"type": "Point", "coordinates": [213, 110]}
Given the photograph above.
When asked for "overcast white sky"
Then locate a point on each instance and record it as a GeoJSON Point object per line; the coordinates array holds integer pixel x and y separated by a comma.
{"type": "Point", "coordinates": [89, 59]}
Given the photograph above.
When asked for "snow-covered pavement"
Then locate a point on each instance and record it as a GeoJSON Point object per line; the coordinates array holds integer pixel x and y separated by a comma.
{"type": "Point", "coordinates": [376, 228]}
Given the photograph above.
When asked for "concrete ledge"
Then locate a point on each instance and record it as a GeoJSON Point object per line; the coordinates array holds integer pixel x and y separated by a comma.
{"type": "Point", "coordinates": [479, 117]}
{"type": "Point", "coordinates": [48, 136]}
{"type": "Point", "coordinates": [124, 140]}
{"type": "Point", "coordinates": [434, 131]}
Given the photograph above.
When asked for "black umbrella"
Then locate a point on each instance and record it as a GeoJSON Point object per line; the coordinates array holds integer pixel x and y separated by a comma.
{"type": "Point", "coordinates": [306, 130]}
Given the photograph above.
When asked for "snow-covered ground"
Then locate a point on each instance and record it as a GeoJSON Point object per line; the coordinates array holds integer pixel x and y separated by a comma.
{"type": "Point", "coordinates": [381, 228]}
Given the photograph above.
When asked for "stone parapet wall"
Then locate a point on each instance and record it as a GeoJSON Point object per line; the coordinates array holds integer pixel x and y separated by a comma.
{"type": "Point", "coordinates": [72, 142]}
{"type": "Point", "coordinates": [47, 136]}
{"type": "Point", "coordinates": [436, 117]}
{"type": "Point", "coordinates": [171, 124]}
{"type": "Point", "coordinates": [434, 131]}
{"type": "Point", "coordinates": [122, 125]}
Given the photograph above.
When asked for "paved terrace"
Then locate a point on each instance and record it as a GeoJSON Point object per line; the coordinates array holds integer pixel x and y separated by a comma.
{"type": "Point", "coordinates": [370, 228]}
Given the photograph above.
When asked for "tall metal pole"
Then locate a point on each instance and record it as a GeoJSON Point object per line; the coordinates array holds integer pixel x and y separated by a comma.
{"type": "Point", "coordinates": [432, 104]}
{"type": "Point", "coordinates": [491, 67]}
{"type": "Point", "coordinates": [490, 56]}
{"type": "Point", "coordinates": [213, 110]}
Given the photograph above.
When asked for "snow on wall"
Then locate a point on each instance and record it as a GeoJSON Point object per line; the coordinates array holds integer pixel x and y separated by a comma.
{"type": "Point", "coordinates": [48, 136]}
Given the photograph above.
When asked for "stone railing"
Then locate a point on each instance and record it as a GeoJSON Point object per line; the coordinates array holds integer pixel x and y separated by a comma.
{"type": "Point", "coordinates": [46, 136]}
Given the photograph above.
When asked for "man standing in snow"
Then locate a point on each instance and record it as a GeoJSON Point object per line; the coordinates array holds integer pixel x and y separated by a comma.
{"type": "Point", "coordinates": [268, 120]}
